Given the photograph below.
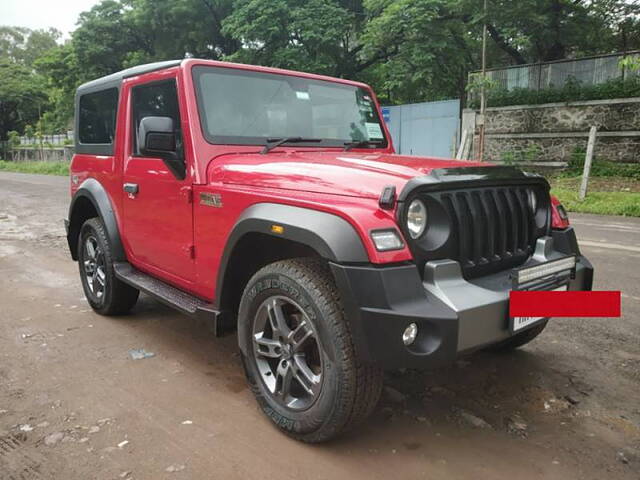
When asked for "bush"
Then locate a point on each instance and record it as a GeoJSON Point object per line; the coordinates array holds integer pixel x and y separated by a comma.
{"type": "Point", "coordinates": [572, 91]}
{"type": "Point", "coordinates": [600, 167]}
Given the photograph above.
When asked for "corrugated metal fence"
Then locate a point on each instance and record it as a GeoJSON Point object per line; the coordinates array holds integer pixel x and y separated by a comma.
{"type": "Point", "coordinates": [586, 71]}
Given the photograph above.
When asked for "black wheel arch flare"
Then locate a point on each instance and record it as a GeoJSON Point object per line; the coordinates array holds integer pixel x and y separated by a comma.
{"type": "Point", "coordinates": [93, 191]}
{"type": "Point", "coordinates": [331, 236]}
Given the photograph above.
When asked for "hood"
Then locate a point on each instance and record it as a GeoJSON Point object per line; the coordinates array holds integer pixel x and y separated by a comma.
{"type": "Point", "coordinates": [336, 173]}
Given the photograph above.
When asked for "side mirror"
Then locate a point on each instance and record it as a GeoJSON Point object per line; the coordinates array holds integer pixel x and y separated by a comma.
{"type": "Point", "coordinates": [157, 138]}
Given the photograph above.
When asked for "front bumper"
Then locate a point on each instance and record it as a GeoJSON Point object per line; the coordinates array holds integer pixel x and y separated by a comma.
{"type": "Point", "coordinates": [454, 316]}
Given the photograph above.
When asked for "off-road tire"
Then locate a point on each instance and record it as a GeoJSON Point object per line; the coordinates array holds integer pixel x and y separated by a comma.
{"type": "Point", "coordinates": [117, 297]}
{"type": "Point", "coordinates": [519, 339]}
{"type": "Point", "coordinates": [350, 389]}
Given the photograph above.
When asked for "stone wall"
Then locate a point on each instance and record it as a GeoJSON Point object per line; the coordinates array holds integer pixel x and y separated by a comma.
{"type": "Point", "coordinates": [553, 132]}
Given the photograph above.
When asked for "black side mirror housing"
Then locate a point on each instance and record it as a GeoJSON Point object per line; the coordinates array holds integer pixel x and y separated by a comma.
{"type": "Point", "coordinates": [157, 138]}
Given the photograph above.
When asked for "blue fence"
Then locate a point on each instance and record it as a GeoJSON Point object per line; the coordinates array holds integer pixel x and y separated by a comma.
{"type": "Point", "coordinates": [429, 129]}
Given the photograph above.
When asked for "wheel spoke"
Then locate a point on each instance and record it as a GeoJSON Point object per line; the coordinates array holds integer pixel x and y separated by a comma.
{"type": "Point", "coordinates": [284, 376]}
{"type": "Point", "coordinates": [305, 376]}
{"type": "Point", "coordinates": [267, 347]}
{"type": "Point", "coordinates": [88, 267]}
{"type": "Point", "coordinates": [91, 251]}
{"type": "Point", "coordinates": [277, 319]}
{"type": "Point", "coordinates": [300, 335]}
{"type": "Point", "coordinates": [100, 276]}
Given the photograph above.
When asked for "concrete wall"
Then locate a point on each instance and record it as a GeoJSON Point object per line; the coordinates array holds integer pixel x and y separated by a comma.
{"type": "Point", "coordinates": [552, 132]}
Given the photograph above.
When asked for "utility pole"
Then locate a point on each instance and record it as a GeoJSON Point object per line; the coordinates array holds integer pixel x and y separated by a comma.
{"type": "Point", "coordinates": [483, 97]}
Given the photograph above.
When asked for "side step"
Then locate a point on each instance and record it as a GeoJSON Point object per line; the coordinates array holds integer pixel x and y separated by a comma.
{"type": "Point", "coordinates": [169, 295]}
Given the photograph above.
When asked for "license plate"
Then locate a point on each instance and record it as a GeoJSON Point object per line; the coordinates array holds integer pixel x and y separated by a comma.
{"type": "Point", "coordinates": [518, 323]}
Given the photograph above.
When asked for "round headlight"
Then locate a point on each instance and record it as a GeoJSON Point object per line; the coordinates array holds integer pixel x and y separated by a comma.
{"type": "Point", "coordinates": [416, 218]}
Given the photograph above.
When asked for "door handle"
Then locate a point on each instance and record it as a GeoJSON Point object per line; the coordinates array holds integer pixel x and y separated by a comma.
{"type": "Point", "coordinates": [131, 188]}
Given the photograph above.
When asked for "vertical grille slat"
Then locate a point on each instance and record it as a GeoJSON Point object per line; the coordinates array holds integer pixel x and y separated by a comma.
{"type": "Point", "coordinates": [491, 217]}
{"type": "Point", "coordinates": [465, 233]}
{"type": "Point", "coordinates": [521, 197]}
{"type": "Point", "coordinates": [501, 225]}
{"type": "Point", "coordinates": [515, 219]}
{"type": "Point", "coordinates": [478, 240]}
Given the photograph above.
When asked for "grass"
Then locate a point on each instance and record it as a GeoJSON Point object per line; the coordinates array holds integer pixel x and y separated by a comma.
{"type": "Point", "coordinates": [605, 195]}
{"type": "Point", "coordinates": [46, 168]}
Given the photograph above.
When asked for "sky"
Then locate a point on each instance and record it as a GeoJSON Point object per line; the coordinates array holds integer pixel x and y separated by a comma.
{"type": "Point", "coordinates": [43, 13]}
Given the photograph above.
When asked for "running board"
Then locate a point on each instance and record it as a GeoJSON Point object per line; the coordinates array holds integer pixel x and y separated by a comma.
{"type": "Point", "coordinates": [169, 295]}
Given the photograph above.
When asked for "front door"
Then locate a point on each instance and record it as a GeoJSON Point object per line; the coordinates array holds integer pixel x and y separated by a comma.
{"type": "Point", "coordinates": [158, 215]}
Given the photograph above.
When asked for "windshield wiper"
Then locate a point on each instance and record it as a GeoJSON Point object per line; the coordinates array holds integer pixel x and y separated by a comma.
{"type": "Point", "coordinates": [276, 142]}
{"type": "Point", "coordinates": [361, 143]}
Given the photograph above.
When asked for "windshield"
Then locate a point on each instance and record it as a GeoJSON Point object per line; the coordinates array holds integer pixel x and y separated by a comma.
{"type": "Point", "coordinates": [246, 107]}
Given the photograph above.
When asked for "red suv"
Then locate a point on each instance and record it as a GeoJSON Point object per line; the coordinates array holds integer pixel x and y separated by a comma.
{"type": "Point", "coordinates": [272, 202]}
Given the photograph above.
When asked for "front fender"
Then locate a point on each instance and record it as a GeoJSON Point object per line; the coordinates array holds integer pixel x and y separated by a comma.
{"type": "Point", "coordinates": [331, 236]}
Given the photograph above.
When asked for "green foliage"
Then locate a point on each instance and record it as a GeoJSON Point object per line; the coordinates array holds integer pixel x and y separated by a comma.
{"type": "Point", "coordinates": [13, 139]}
{"type": "Point", "coordinates": [23, 96]}
{"type": "Point", "coordinates": [46, 168]}
{"type": "Point", "coordinates": [409, 50]}
{"type": "Point", "coordinates": [24, 46]}
{"type": "Point", "coordinates": [630, 63]}
{"type": "Point", "coordinates": [321, 36]}
{"type": "Point", "coordinates": [572, 91]}
{"type": "Point", "coordinates": [600, 167]}
{"type": "Point", "coordinates": [603, 203]}
{"type": "Point", "coordinates": [530, 155]}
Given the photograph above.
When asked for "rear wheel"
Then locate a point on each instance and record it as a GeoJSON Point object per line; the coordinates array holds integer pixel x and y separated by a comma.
{"type": "Point", "coordinates": [298, 353]}
{"type": "Point", "coordinates": [105, 293]}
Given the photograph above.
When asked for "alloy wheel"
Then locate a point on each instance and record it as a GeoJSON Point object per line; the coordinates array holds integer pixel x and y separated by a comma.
{"type": "Point", "coordinates": [287, 353]}
{"type": "Point", "coordinates": [94, 266]}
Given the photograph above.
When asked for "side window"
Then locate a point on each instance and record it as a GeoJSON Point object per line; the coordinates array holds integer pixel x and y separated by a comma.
{"type": "Point", "coordinates": [158, 99]}
{"type": "Point", "coordinates": [97, 117]}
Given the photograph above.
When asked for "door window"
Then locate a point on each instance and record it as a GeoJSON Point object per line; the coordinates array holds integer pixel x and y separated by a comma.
{"type": "Point", "coordinates": [158, 99]}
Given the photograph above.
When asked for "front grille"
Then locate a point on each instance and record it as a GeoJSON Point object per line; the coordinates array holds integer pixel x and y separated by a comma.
{"type": "Point", "coordinates": [492, 225]}
{"type": "Point", "coordinates": [486, 229]}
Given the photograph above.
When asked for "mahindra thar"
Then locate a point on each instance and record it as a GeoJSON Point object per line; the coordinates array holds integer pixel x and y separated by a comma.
{"type": "Point", "coordinates": [271, 203]}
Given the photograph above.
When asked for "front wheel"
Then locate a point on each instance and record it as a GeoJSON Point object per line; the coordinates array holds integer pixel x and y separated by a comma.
{"type": "Point", "coordinates": [298, 353]}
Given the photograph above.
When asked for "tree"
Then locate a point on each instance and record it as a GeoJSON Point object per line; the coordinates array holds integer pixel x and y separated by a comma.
{"type": "Point", "coordinates": [321, 36]}
{"type": "Point", "coordinates": [24, 46]}
{"type": "Point", "coordinates": [23, 97]}
{"type": "Point", "coordinates": [435, 41]}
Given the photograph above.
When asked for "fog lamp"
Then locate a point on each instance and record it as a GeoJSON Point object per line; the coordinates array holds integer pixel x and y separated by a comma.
{"type": "Point", "coordinates": [410, 334]}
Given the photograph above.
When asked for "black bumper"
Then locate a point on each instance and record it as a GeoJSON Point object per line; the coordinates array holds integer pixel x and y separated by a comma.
{"type": "Point", "coordinates": [454, 316]}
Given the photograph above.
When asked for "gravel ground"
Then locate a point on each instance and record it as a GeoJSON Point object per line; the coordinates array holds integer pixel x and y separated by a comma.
{"type": "Point", "coordinates": [74, 405]}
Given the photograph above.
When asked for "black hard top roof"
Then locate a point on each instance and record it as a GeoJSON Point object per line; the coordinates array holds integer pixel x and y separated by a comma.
{"type": "Point", "coordinates": [115, 79]}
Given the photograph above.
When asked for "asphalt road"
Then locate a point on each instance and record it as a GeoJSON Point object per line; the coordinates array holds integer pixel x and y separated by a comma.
{"type": "Point", "coordinates": [74, 405]}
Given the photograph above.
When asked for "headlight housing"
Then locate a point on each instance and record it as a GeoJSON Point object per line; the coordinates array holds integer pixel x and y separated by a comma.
{"type": "Point", "coordinates": [416, 218]}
